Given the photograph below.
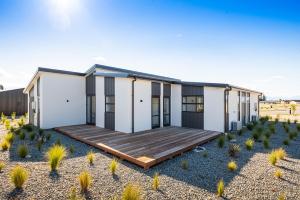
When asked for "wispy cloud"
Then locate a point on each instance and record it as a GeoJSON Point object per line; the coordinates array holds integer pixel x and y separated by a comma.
{"type": "Point", "coordinates": [271, 79]}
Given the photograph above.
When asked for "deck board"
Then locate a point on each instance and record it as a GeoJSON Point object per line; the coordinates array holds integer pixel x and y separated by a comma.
{"type": "Point", "coordinates": [145, 148]}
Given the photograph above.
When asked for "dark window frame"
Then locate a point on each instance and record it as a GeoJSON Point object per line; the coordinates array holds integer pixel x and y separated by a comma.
{"type": "Point", "coordinates": [159, 112]}
{"type": "Point", "coordinates": [239, 106]}
{"type": "Point", "coordinates": [110, 103]}
{"type": "Point", "coordinates": [196, 103]}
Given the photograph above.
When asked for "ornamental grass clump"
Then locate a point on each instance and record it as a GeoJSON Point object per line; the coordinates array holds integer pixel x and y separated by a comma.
{"type": "Point", "coordinates": [298, 127]}
{"type": "Point", "coordinates": [232, 166]}
{"type": "Point", "coordinates": [85, 181]}
{"type": "Point", "coordinates": [7, 124]}
{"type": "Point", "coordinates": [278, 173]}
{"type": "Point", "coordinates": [233, 150]}
{"type": "Point", "coordinates": [286, 142]}
{"type": "Point", "coordinates": [113, 166]}
{"type": "Point", "coordinates": [267, 134]}
{"type": "Point", "coordinates": [287, 129]}
{"type": "Point", "coordinates": [5, 145]}
{"type": "Point", "coordinates": [155, 182]}
{"type": "Point", "coordinates": [272, 129]}
{"type": "Point", "coordinates": [55, 155]}
{"type": "Point", "coordinates": [289, 121]}
{"type": "Point", "coordinates": [220, 188]}
{"type": "Point", "coordinates": [22, 150]}
{"type": "Point", "coordinates": [2, 165]}
{"type": "Point", "coordinates": [13, 115]}
{"type": "Point", "coordinates": [22, 135]}
{"type": "Point", "coordinates": [32, 136]}
{"type": "Point", "coordinates": [249, 144]}
{"type": "Point", "coordinates": [185, 164]}
{"type": "Point", "coordinates": [9, 137]}
{"type": "Point", "coordinates": [266, 143]}
{"type": "Point", "coordinates": [71, 149]}
{"type": "Point", "coordinates": [221, 141]}
{"type": "Point", "coordinates": [230, 136]}
{"type": "Point", "coordinates": [281, 153]}
{"type": "Point", "coordinates": [131, 192]}
{"type": "Point", "coordinates": [90, 157]}
{"type": "Point", "coordinates": [273, 158]}
{"type": "Point", "coordinates": [250, 126]}
{"type": "Point", "coordinates": [18, 176]}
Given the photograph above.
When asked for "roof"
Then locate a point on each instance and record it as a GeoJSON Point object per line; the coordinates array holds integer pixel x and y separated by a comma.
{"type": "Point", "coordinates": [42, 69]}
{"type": "Point", "coordinates": [131, 73]}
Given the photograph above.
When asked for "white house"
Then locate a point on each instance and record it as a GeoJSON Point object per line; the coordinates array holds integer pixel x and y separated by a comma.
{"type": "Point", "coordinates": [130, 101]}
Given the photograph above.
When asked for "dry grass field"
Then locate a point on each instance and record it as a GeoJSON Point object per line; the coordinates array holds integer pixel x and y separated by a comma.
{"type": "Point", "coordinates": [280, 111]}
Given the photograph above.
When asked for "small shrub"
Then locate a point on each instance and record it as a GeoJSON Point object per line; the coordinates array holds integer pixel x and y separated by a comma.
{"type": "Point", "coordinates": [32, 136]}
{"type": "Point", "coordinates": [291, 135]}
{"type": "Point", "coordinates": [289, 121]}
{"type": "Point", "coordinates": [281, 153]}
{"type": "Point", "coordinates": [267, 134]}
{"type": "Point", "coordinates": [155, 183]}
{"type": "Point", "coordinates": [256, 135]}
{"type": "Point", "coordinates": [41, 132]}
{"type": "Point", "coordinates": [286, 142]}
{"type": "Point", "coordinates": [2, 165]}
{"type": "Point", "coordinates": [21, 122]}
{"type": "Point", "coordinates": [230, 136]}
{"type": "Point", "coordinates": [273, 158]}
{"type": "Point", "coordinates": [259, 130]}
{"type": "Point", "coordinates": [22, 135]}
{"type": "Point", "coordinates": [22, 151]}
{"type": "Point", "coordinates": [48, 136]}
{"type": "Point", "coordinates": [90, 157]}
{"type": "Point", "coordinates": [278, 173]}
{"type": "Point", "coordinates": [18, 176]}
{"type": "Point", "coordinates": [272, 129]}
{"type": "Point", "coordinates": [3, 118]}
{"type": "Point", "coordinates": [9, 137]}
{"type": "Point", "coordinates": [39, 145]}
{"type": "Point", "coordinates": [298, 127]}
{"type": "Point", "coordinates": [250, 126]}
{"type": "Point", "coordinates": [249, 144]}
{"type": "Point", "coordinates": [113, 166]}
{"type": "Point", "coordinates": [13, 115]}
{"type": "Point", "coordinates": [295, 121]}
{"type": "Point", "coordinates": [28, 127]}
{"type": "Point", "coordinates": [184, 164]}
{"type": "Point", "coordinates": [220, 188]}
{"type": "Point", "coordinates": [55, 155]}
{"type": "Point", "coordinates": [58, 142]}
{"type": "Point", "coordinates": [276, 120]}
{"type": "Point", "coordinates": [131, 192]}
{"type": "Point", "coordinates": [73, 195]}
{"type": "Point", "coordinates": [232, 166]}
{"type": "Point", "coordinates": [205, 154]}
{"type": "Point", "coordinates": [71, 149]}
{"type": "Point", "coordinates": [233, 150]}
{"type": "Point", "coordinates": [7, 124]}
{"type": "Point", "coordinates": [85, 180]}
{"type": "Point", "coordinates": [287, 129]}
{"type": "Point", "coordinates": [266, 143]}
{"type": "Point", "coordinates": [5, 145]}
{"type": "Point", "coordinates": [295, 134]}
{"type": "Point", "coordinates": [221, 141]}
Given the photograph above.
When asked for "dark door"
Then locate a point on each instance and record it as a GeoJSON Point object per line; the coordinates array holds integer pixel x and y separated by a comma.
{"type": "Point", "coordinates": [167, 111]}
{"type": "Point", "coordinates": [31, 106]}
{"type": "Point", "coordinates": [155, 112]}
{"type": "Point", "coordinates": [244, 113]}
{"type": "Point", "coordinates": [109, 103]}
{"type": "Point", "coordinates": [91, 110]}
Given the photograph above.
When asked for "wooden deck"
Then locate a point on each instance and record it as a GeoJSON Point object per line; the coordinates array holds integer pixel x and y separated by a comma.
{"type": "Point", "coordinates": [146, 148]}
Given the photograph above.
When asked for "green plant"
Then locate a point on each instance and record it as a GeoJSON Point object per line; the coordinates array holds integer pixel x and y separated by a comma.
{"type": "Point", "coordinates": [289, 121]}
{"type": "Point", "coordinates": [55, 155]}
{"type": "Point", "coordinates": [58, 142]}
{"type": "Point", "coordinates": [41, 132]}
{"type": "Point", "coordinates": [2, 165]}
{"type": "Point", "coordinates": [131, 192]}
{"type": "Point", "coordinates": [71, 149]}
{"type": "Point", "coordinates": [291, 136]}
{"type": "Point", "coordinates": [13, 115]}
{"type": "Point", "coordinates": [293, 108]}
{"type": "Point", "coordinates": [286, 142]}
{"type": "Point", "coordinates": [28, 127]}
{"type": "Point", "coordinates": [184, 164]}
{"type": "Point", "coordinates": [295, 121]}
{"type": "Point", "coordinates": [249, 144]}
{"type": "Point", "coordinates": [18, 176]}
{"type": "Point", "coordinates": [273, 158]}
{"type": "Point", "coordinates": [48, 136]}
{"type": "Point", "coordinates": [280, 153]}
{"type": "Point", "coordinates": [90, 157]}
{"type": "Point", "coordinates": [3, 118]}
{"type": "Point", "coordinates": [233, 150]}
{"type": "Point", "coordinates": [259, 130]}
{"type": "Point", "coordinates": [232, 166]}
{"type": "Point", "coordinates": [9, 137]}
{"type": "Point", "coordinates": [205, 154]}
{"type": "Point", "coordinates": [230, 136]}
{"type": "Point", "coordinates": [32, 136]}
{"type": "Point", "coordinates": [277, 120]}
{"type": "Point", "coordinates": [21, 122]}
{"type": "Point", "coordinates": [155, 183]}
{"type": "Point", "coordinates": [113, 166]}
{"type": "Point", "coordinates": [22, 135]}
{"type": "Point", "coordinates": [267, 134]}
{"type": "Point", "coordinates": [22, 150]}
{"type": "Point", "coordinates": [220, 188]}
{"type": "Point", "coordinates": [266, 143]}
{"type": "Point", "coordinates": [278, 173]}
{"type": "Point", "coordinates": [221, 141]}
{"type": "Point", "coordinates": [73, 195]}
{"type": "Point", "coordinates": [255, 135]}
{"type": "Point", "coordinates": [85, 180]}
{"type": "Point", "coordinates": [5, 145]}
{"type": "Point", "coordinates": [7, 124]}
{"type": "Point", "coordinates": [250, 126]}
{"type": "Point", "coordinates": [272, 129]}
{"type": "Point", "coordinates": [39, 145]}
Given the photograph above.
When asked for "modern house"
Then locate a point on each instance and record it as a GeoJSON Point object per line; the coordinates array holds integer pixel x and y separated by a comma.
{"type": "Point", "coordinates": [130, 101]}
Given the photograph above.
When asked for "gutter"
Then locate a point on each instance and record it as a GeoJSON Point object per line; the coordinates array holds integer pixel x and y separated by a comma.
{"type": "Point", "coordinates": [132, 105]}
{"type": "Point", "coordinates": [226, 104]}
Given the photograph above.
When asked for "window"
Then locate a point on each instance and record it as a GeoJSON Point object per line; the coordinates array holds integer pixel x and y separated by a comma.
{"type": "Point", "coordinates": [109, 104]}
{"type": "Point", "coordinates": [239, 106]}
{"type": "Point", "coordinates": [192, 104]}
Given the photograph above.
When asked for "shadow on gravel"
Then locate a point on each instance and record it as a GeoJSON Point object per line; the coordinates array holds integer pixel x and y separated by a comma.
{"type": "Point", "coordinates": [15, 193]}
{"type": "Point", "coordinates": [54, 175]}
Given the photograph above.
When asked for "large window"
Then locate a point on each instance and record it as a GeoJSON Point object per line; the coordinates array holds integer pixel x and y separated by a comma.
{"type": "Point", "coordinates": [239, 106]}
{"type": "Point", "coordinates": [109, 104]}
{"type": "Point", "coordinates": [192, 104]}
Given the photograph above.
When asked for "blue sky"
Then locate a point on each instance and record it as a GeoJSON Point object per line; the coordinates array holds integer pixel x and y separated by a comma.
{"type": "Point", "coordinates": [253, 44]}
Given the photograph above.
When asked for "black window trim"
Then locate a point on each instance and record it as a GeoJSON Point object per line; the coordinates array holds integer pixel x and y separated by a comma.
{"type": "Point", "coordinates": [182, 103]}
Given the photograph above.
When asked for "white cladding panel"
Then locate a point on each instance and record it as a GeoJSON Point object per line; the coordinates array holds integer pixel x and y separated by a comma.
{"type": "Point", "coordinates": [233, 101]}
{"type": "Point", "coordinates": [63, 100]}
{"type": "Point", "coordinates": [100, 101]}
{"type": "Point", "coordinates": [214, 109]}
{"type": "Point", "coordinates": [142, 109]}
{"type": "Point", "coordinates": [176, 105]}
{"type": "Point", "coordinates": [254, 104]}
{"type": "Point", "coordinates": [123, 104]}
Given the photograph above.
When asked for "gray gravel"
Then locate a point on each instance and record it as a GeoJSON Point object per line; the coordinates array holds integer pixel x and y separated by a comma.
{"type": "Point", "coordinates": [254, 178]}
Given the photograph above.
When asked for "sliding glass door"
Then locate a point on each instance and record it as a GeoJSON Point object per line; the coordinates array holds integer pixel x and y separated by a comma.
{"type": "Point", "coordinates": [155, 112]}
{"type": "Point", "coordinates": [91, 110]}
{"type": "Point", "coordinates": [167, 111]}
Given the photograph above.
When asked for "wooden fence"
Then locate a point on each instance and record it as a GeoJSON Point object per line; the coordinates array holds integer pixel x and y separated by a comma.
{"type": "Point", "coordinates": [13, 101]}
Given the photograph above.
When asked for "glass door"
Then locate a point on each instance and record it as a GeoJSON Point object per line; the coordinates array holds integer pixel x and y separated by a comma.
{"type": "Point", "coordinates": [155, 112]}
{"type": "Point", "coordinates": [167, 111]}
{"type": "Point", "coordinates": [90, 109]}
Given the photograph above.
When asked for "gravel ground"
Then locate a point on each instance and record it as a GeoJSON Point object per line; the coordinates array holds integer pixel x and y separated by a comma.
{"type": "Point", "coordinates": [254, 178]}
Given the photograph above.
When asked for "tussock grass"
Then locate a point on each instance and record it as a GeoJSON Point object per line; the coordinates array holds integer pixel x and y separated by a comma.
{"type": "Point", "coordinates": [266, 143]}
{"type": "Point", "coordinates": [7, 124]}
{"type": "Point", "coordinates": [131, 192]}
{"type": "Point", "coordinates": [249, 144]}
{"type": "Point", "coordinates": [221, 141]}
{"type": "Point", "coordinates": [22, 135]}
{"type": "Point", "coordinates": [9, 137]}
{"type": "Point", "coordinates": [155, 183]}
{"type": "Point", "coordinates": [273, 157]}
{"type": "Point", "coordinates": [298, 127]}
{"type": "Point", "coordinates": [233, 150]}
{"type": "Point", "coordinates": [232, 166]}
{"type": "Point", "coordinates": [90, 157]}
{"type": "Point", "coordinates": [185, 164]}
{"type": "Point", "coordinates": [73, 195]}
{"type": "Point", "coordinates": [85, 181]}
{"type": "Point", "coordinates": [55, 155]}
{"type": "Point", "coordinates": [286, 142]}
{"type": "Point", "coordinates": [220, 188]}
{"type": "Point", "coordinates": [32, 136]}
{"type": "Point", "coordinates": [22, 150]}
{"type": "Point", "coordinates": [114, 166]}
{"type": "Point", "coordinates": [5, 145]}
{"type": "Point", "coordinates": [280, 153]}
{"type": "Point", "coordinates": [282, 197]}
{"type": "Point", "coordinates": [58, 142]}
{"type": "Point", "coordinates": [2, 165]}
{"type": "Point", "coordinates": [71, 149]}
{"type": "Point", "coordinates": [39, 145]}
{"type": "Point", "coordinates": [48, 136]}
{"type": "Point", "coordinates": [18, 176]}
{"type": "Point", "coordinates": [230, 136]}
{"type": "Point", "coordinates": [278, 173]}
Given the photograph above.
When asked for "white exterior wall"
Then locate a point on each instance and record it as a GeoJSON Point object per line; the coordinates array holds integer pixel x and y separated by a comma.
{"type": "Point", "coordinates": [214, 109]}
{"type": "Point", "coordinates": [142, 110]}
{"type": "Point", "coordinates": [55, 90]}
{"type": "Point", "coordinates": [176, 106]}
{"type": "Point", "coordinates": [100, 101]}
{"type": "Point", "coordinates": [233, 101]}
{"type": "Point", "coordinates": [253, 100]}
{"type": "Point", "coordinates": [123, 105]}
